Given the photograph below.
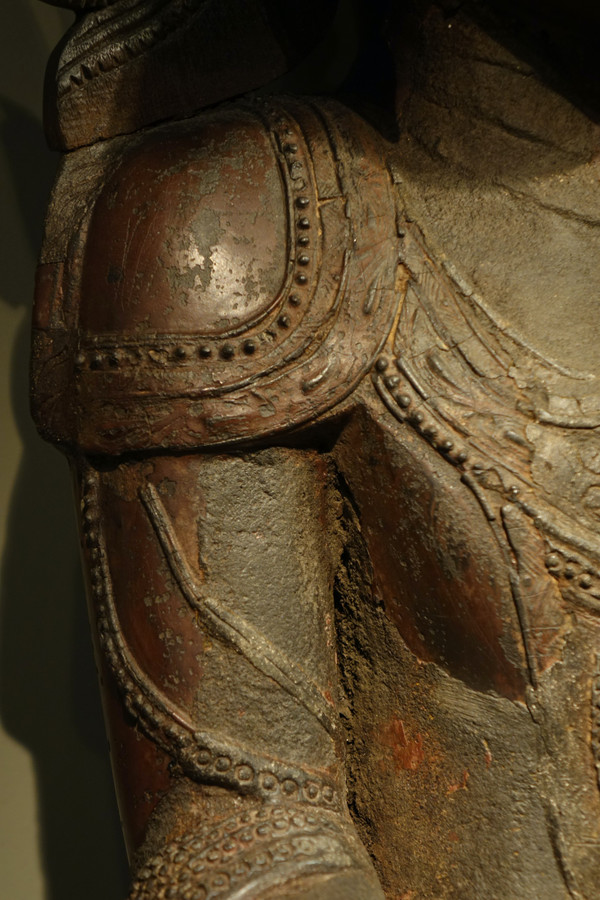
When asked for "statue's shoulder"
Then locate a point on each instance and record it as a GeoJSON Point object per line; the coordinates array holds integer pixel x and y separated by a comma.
{"type": "Point", "coordinates": [230, 276]}
{"type": "Point", "coordinates": [523, 430]}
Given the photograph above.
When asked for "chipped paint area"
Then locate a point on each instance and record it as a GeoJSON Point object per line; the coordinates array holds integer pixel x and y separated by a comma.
{"type": "Point", "coordinates": [407, 751]}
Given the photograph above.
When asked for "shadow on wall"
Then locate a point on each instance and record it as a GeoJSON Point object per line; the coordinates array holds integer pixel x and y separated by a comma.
{"type": "Point", "coordinates": [49, 701]}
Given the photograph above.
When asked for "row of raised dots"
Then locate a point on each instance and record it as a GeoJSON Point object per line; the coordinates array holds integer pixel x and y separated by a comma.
{"type": "Point", "coordinates": [416, 418]}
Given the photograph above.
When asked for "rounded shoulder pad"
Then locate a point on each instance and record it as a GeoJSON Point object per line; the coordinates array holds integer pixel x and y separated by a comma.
{"type": "Point", "coordinates": [237, 278]}
{"type": "Point", "coordinates": [188, 235]}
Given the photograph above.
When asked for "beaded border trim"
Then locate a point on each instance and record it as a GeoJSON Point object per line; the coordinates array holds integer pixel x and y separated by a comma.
{"type": "Point", "coordinates": [201, 755]}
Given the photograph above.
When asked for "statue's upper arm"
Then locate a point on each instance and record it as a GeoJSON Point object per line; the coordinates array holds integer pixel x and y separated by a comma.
{"type": "Point", "coordinates": [235, 276]}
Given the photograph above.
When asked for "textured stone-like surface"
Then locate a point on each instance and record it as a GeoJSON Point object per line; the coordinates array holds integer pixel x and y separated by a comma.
{"type": "Point", "coordinates": [332, 406]}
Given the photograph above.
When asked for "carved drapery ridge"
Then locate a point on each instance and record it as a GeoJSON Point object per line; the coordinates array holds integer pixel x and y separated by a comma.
{"type": "Point", "coordinates": [205, 757]}
{"type": "Point", "coordinates": [232, 628]}
{"type": "Point", "coordinates": [491, 406]}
